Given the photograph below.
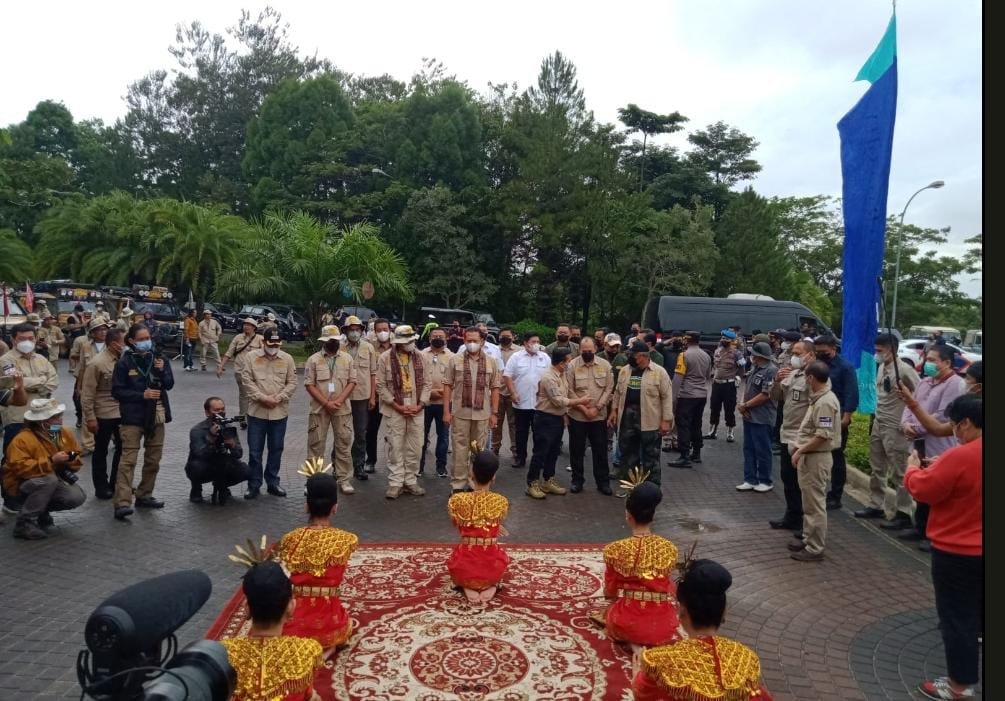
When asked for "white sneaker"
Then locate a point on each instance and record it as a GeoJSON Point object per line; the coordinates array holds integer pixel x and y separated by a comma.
{"type": "Point", "coordinates": [568, 468]}
{"type": "Point", "coordinates": [763, 488]}
{"type": "Point", "coordinates": [745, 487]}
{"type": "Point", "coordinates": [347, 488]}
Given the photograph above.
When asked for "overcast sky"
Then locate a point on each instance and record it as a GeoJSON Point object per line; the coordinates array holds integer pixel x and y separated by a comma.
{"type": "Point", "coordinates": [780, 70]}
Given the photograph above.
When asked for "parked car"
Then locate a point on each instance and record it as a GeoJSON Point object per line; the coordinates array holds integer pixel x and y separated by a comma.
{"type": "Point", "coordinates": [292, 325]}
{"type": "Point", "coordinates": [912, 352]}
{"type": "Point", "coordinates": [222, 313]}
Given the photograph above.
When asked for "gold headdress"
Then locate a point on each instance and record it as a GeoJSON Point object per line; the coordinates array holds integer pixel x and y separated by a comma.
{"type": "Point", "coordinates": [635, 478]}
{"type": "Point", "coordinates": [253, 555]}
{"type": "Point", "coordinates": [475, 448]}
{"type": "Point", "coordinates": [685, 565]}
{"type": "Point", "coordinates": [314, 466]}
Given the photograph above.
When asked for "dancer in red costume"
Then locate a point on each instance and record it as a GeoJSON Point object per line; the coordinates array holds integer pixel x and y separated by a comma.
{"type": "Point", "coordinates": [316, 557]}
{"type": "Point", "coordinates": [478, 563]}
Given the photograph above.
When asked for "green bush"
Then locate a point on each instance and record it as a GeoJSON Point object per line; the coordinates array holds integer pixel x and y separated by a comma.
{"type": "Point", "coordinates": [856, 453]}
{"type": "Point", "coordinates": [527, 325]}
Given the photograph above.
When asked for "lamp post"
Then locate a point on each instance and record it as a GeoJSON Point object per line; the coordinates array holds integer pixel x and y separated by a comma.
{"type": "Point", "coordinates": [900, 244]}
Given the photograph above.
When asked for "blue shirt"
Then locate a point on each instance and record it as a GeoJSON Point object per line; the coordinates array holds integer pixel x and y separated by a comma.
{"type": "Point", "coordinates": [844, 383]}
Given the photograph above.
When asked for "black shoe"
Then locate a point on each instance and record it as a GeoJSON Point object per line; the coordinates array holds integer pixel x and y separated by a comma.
{"type": "Point", "coordinates": [925, 546]}
{"type": "Point", "coordinates": [276, 491]}
{"type": "Point", "coordinates": [798, 535]}
{"type": "Point", "coordinates": [781, 523]}
{"type": "Point", "coordinates": [195, 495]}
{"type": "Point", "coordinates": [441, 472]}
{"type": "Point", "coordinates": [519, 464]}
{"type": "Point", "coordinates": [149, 503]}
{"type": "Point", "coordinates": [710, 436]}
{"type": "Point", "coordinates": [575, 488]}
{"type": "Point", "coordinates": [899, 522]}
{"type": "Point", "coordinates": [46, 523]}
{"type": "Point", "coordinates": [870, 512]}
{"type": "Point", "coordinates": [104, 493]}
{"type": "Point", "coordinates": [251, 493]}
{"type": "Point", "coordinates": [680, 462]}
{"type": "Point", "coordinates": [28, 530]}
{"type": "Point", "coordinates": [79, 422]}
{"type": "Point", "coordinates": [370, 468]}
{"type": "Point", "coordinates": [696, 458]}
{"type": "Point", "coordinates": [604, 489]}
{"type": "Point", "coordinates": [122, 512]}
{"type": "Point", "coordinates": [361, 475]}
{"type": "Point", "coordinates": [667, 448]}
{"type": "Point", "coordinates": [833, 505]}
{"type": "Point", "coordinates": [910, 536]}
{"type": "Point", "coordinates": [796, 546]}
{"type": "Point", "coordinates": [221, 496]}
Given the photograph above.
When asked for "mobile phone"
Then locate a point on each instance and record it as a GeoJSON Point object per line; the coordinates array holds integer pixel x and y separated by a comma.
{"type": "Point", "coordinates": [919, 447]}
{"type": "Point", "coordinates": [73, 455]}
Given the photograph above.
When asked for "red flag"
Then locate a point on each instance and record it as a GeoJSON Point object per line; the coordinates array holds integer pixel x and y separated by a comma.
{"type": "Point", "coordinates": [29, 298]}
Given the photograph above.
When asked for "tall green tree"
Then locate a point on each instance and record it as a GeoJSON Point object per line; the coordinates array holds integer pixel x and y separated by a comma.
{"type": "Point", "coordinates": [752, 257]}
{"type": "Point", "coordinates": [724, 153]}
{"type": "Point", "coordinates": [15, 258]}
{"type": "Point", "coordinates": [650, 124]}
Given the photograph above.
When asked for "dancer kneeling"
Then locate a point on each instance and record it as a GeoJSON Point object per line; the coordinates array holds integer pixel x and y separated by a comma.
{"type": "Point", "coordinates": [478, 563]}
{"type": "Point", "coordinates": [638, 572]}
{"type": "Point", "coordinates": [316, 557]}
{"type": "Point", "coordinates": [704, 665]}
{"type": "Point", "coordinates": [270, 665]}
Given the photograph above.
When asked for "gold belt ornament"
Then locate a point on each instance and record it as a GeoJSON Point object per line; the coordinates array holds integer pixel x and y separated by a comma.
{"type": "Point", "coordinates": [642, 595]}
{"type": "Point", "coordinates": [478, 541]}
{"type": "Point", "coordinates": [315, 591]}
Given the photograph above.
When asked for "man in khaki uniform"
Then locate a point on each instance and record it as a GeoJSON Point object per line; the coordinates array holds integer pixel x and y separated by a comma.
{"type": "Point", "coordinates": [242, 347]}
{"type": "Point", "coordinates": [364, 394]}
{"type": "Point", "coordinates": [589, 376]}
{"type": "Point", "coordinates": [790, 388]}
{"type": "Point", "coordinates": [506, 411]}
{"type": "Point", "coordinates": [84, 349]}
{"type": "Point", "coordinates": [470, 403]}
{"type": "Point", "coordinates": [209, 338]}
{"type": "Point", "coordinates": [100, 314]}
{"type": "Point", "coordinates": [437, 360]}
{"type": "Point", "coordinates": [269, 376]}
{"type": "Point", "coordinates": [819, 434]}
{"type": "Point", "coordinates": [40, 379]}
{"type": "Point", "coordinates": [330, 378]}
{"type": "Point", "coordinates": [125, 319]}
{"type": "Point", "coordinates": [268, 323]}
{"type": "Point", "coordinates": [101, 413]}
{"type": "Point", "coordinates": [403, 387]}
{"type": "Point", "coordinates": [51, 336]}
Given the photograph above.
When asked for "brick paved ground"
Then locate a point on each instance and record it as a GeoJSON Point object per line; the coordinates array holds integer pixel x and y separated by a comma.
{"type": "Point", "coordinates": [859, 625]}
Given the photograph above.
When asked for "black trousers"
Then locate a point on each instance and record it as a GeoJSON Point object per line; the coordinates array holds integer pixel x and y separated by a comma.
{"type": "Point", "coordinates": [108, 431]}
{"type": "Point", "coordinates": [360, 419]}
{"type": "Point", "coordinates": [548, 430]}
{"type": "Point", "coordinates": [776, 431]}
{"type": "Point", "coordinates": [689, 412]}
{"type": "Point", "coordinates": [724, 399]}
{"type": "Point", "coordinates": [839, 471]}
{"type": "Point", "coordinates": [225, 472]}
{"type": "Point", "coordinates": [524, 421]}
{"type": "Point", "coordinates": [959, 598]}
{"type": "Point", "coordinates": [793, 495]}
{"type": "Point", "coordinates": [76, 407]}
{"type": "Point", "coordinates": [372, 429]}
{"type": "Point", "coordinates": [596, 433]}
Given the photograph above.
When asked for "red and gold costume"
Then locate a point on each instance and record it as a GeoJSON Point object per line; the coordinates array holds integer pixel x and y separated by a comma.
{"type": "Point", "coordinates": [316, 558]}
{"type": "Point", "coordinates": [276, 668]}
{"type": "Point", "coordinates": [478, 562]}
{"type": "Point", "coordinates": [638, 577]}
{"type": "Point", "coordinates": [700, 669]}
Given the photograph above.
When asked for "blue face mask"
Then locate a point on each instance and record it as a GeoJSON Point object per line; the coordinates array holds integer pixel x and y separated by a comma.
{"type": "Point", "coordinates": [55, 428]}
{"type": "Point", "coordinates": [144, 346]}
{"type": "Point", "coordinates": [930, 369]}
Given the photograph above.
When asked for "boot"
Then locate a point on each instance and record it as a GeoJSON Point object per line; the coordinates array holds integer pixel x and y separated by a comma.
{"type": "Point", "coordinates": [46, 523]}
{"type": "Point", "coordinates": [710, 436]}
{"type": "Point", "coordinates": [696, 456]}
{"type": "Point", "coordinates": [27, 529]}
{"type": "Point", "coordinates": [683, 461]}
{"type": "Point", "coordinates": [729, 435]}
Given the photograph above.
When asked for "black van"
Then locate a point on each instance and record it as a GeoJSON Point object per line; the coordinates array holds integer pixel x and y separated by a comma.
{"type": "Point", "coordinates": [710, 315]}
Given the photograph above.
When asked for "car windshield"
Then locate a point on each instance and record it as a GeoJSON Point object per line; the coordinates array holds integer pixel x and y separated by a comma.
{"type": "Point", "coordinates": [156, 309]}
{"type": "Point", "coordinates": [14, 309]}
{"type": "Point", "coordinates": [67, 305]}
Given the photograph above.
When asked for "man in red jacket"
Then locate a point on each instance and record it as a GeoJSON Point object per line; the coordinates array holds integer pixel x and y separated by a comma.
{"type": "Point", "coordinates": [953, 487]}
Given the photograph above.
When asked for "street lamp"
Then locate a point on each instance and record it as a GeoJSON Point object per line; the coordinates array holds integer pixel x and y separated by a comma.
{"type": "Point", "coordinates": [900, 244]}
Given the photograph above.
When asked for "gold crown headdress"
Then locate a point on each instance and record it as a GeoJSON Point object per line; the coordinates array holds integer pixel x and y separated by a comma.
{"type": "Point", "coordinates": [475, 448]}
{"type": "Point", "coordinates": [253, 555]}
{"type": "Point", "coordinates": [684, 566]}
{"type": "Point", "coordinates": [314, 466]}
{"type": "Point", "coordinates": [635, 478]}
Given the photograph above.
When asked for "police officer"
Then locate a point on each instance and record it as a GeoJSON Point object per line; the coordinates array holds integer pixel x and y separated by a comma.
{"type": "Point", "coordinates": [330, 378]}
{"type": "Point", "coordinates": [727, 368]}
{"type": "Point", "coordinates": [697, 370]}
{"type": "Point", "coordinates": [818, 437]}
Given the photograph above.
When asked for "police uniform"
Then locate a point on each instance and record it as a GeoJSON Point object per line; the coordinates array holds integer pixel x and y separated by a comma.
{"type": "Point", "coordinates": [331, 375]}
{"type": "Point", "coordinates": [596, 381]}
{"type": "Point", "coordinates": [727, 367]}
{"type": "Point", "coordinates": [823, 418]}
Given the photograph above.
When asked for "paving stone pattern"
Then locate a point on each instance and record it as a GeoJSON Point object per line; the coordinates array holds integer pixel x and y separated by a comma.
{"type": "Point", "coordinates": [859, 625]}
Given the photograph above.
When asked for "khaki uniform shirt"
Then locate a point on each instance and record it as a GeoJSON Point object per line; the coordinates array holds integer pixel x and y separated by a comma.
{"type": "Point", "coordinates": [266, 325]}
{"type": "Point", "coordinates": [96, 399]}
{"type": "Point", "coordinates": [437, 364]}
{"type": "Point", "coordinates": [210, 331]}
{"type": "Point", "coordinates": [725, 363]}
{"type": "Point", "coordinates": [656, 396]}
{"type": "Point", "coordinates": [505, 354]}
{"type": "Point", "coordinates": [364, 358]}
{"type": "Point", "coordinates": [889, 405]}
{"type": "Point", "coordinates": [124, 323]}
{"type": "Point", "coordinates": [796, 395]}
{"type": "Point", "coordinates": [239, 354]}
{"type": "Point", "coordinates": [263, 376]}
{"type": "Point", "coordinates": [574, 347]}
{"type": "Point", "coordinates": [385, 382]}
{"type": "Point", "coordinates": [79, 354]}
{"type": "Point", "coordinates": [823, 418]}
{"type": "Point", "coordinates": [553, 393]}
{"type": "Point", "coordinates": [4, 348]}
{"type": "Point", "coordinates": [455, 378]}
{"type": "Point", "coordinates": [330, 375]}
{"type": "Point", "coordinates": [101, 316]}
{"type": "Point", "coordinates": [40, 381]}
{"type": "Point", "coordinates": [595, 380]}
{"type": "Point", "coordinates": [53, 338]}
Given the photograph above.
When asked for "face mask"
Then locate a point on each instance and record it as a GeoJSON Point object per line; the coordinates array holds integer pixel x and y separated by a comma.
{"type": "Point", "coordinates": [931, 369]}
{"type": "Point", "coordinates": [587, 356]}
{"type": "Point", "coordinates": [797, 361]}
{"type": "Point", "coordinates": [271, 350]}
{"type": "Point", "coordinates": [880, 357]}
{"type": "Point", "coordinates": [353, 336]}
{"type": "Point", "coordinates": [824, 355]}
{"type": "Point", "coordinates": [408, 347]}
{"type": "Point", "coordinates": [332, 346]}
{"type": "Point", "coordinates": [144, 346]}
{"type": "Point", "coordinates": [382, 336]}
{"type": "Point", "coordinates": [786, 345]}
{"type": "Point", "coordinates": [633, 361]}
{"type": "Point", "coordinates": [611, 352]}
{"type": "Point", "coordinates": [506, 341]}
{"type": "Point", "coordinates": [724, 342]}
{"type": "Point", "coordinates": [438, 343]}
{"type": "Point", "coordinates": [25, 347]}
{"type": "Point", "coordinates": [575, 339]}
{"type": "Point", "coordinates": [563, 337]}
{"type": "Point", "coordinates": [533, 348]}
{"type": "Point", "coordinates": [473, 346]}
{"type": "Point", "coordinates": [99, 346]}
{"type": "Point", "coordinates": [55, 428]}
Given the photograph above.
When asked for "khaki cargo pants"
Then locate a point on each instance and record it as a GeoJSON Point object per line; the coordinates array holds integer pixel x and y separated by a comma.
{"type": "Point", "coordinates": [462, 432]}
{"type": "Point", "coordinates": [814, 472]}
{"type": "Point", "coordinates": [888, 451]}
{"type": "Point", "coordinates": [404, 448]}
{"type": "Point", "coordinates": [317, 436]}
{"type": "Point", "coordinates": [153, 447]}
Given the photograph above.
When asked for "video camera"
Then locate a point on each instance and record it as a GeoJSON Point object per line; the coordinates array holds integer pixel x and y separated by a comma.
{"type": "Point", "coordinates": [127, 658]}
{"type": "Point", "coordinates": [221, 420]}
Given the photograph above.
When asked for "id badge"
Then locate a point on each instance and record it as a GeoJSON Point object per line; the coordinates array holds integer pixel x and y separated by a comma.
{"type": "Point", "coordinates": [331, 388]}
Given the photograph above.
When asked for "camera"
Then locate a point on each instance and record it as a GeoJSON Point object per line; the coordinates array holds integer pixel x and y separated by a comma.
{"type": "Point", "coordinates": [221, 420]}
{"type": "Point", "coordinates": [65, 473]}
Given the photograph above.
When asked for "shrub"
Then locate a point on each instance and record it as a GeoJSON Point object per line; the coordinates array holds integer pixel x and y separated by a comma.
{"type": "Point", "coordinates": [856, 452]}
{"type": "Point", "coordinates": [527, 325]}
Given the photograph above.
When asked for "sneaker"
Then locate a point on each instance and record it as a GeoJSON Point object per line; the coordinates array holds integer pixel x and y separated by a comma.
{"type": "Point", "coordinates": [347, 487]}
{"type": "Point", "coordinates": [763, 488]}
{"type": "Point", "coordinates": [805, 555]}
{"type": "Point", "coordinates": [370, 467]}
{"type": "Point", "coordinates": [553, 487]}
{"type": "Point", "coordinates": [393, 492]}
{"type": "Point", "coordinates": [149, 503]}
{"type": "Point", "coordinates": [441, 472]}
{"type": "Point", "coordinates": [745, 487]}
{"type": "Point", "coordinates": [28, 530]}
{"type": "Point", "coordinates": [729, 436]}
{"type": "Point", "coordinates": [939, 689]}
{"type": "Point", "coordinates": [710, 436]}
{"type": "Point", "coordinates": [46, 523]}
{"type": "Point", "coordinates": [534, 490]}
{"type": "Point", "coordinates": [414, 489]}
{"type": "Point", "coordinates": [568, 468]}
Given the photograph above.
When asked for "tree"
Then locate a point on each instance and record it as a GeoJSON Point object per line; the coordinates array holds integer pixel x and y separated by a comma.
{"type": "Point", "coordinates": [294, 257]}
{"type": "Point", "coordinates": [752, 257]}
{"type": "Point", "coordinates": [724, 153]}
{"type": "Point", "coordinates": [650, 124]}
{"type": "Point", "coordinates": [557, 91]}
{"type": "Point", "coordinates": [15, 258]}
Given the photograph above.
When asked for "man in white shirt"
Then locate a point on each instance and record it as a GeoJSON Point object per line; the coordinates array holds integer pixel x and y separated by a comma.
{"type": "Point", "coordinates": [523, 370]}
{"type": "Point", "coordinates": [490, 349]}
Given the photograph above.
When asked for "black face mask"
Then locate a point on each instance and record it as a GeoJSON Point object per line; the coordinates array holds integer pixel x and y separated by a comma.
{"type": "Point", "coordinates": [438, 342]}
{"type": "Point", "coordinates": [575, 339]}
{"type": "Point", "coordinates": [633, 361]}
{"type": "Point", "coordinates": [332, 346]}
{"type": "Point", "coordinates": [587, 356]}
{"type": "Point", "coordinates": [506, 340]}
{"type": "Point", "coordinates": [563, 337]}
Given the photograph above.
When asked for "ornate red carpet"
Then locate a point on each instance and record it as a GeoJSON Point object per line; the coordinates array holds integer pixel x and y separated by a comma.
{"type": "Point", "coordinates": [418, 640]}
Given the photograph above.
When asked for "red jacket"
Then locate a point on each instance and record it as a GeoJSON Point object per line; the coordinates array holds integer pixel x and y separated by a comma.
{"type": "Point", "coordinates": [953, 485]}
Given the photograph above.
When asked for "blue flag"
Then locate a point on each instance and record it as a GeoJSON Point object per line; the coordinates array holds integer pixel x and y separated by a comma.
{"type": "Point", "coordinates": [866, 146]}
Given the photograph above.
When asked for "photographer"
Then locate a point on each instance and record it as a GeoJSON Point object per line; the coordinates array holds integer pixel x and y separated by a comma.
{"type": "Point", "coordinates": [140, 383]}
{"type": "Point", "coordinates": [214, 454]}
{"type": "Point", "coordinates": [42, 460]}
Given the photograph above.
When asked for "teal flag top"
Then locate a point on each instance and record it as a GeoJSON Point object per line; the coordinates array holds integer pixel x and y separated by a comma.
{"type": "Point", "coordinates": [882, 58]}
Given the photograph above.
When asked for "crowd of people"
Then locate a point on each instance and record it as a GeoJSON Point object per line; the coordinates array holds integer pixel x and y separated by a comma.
{"type": "Point", "coordinates": [626, 400]}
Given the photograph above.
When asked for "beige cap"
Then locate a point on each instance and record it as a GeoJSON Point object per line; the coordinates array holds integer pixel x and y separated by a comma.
{"type": "Point", "coordinates": [404, 334]}
{"type": "Point", "coordinates": [352, 321]}
{"type": "Point", "coordinates": [330, 333]}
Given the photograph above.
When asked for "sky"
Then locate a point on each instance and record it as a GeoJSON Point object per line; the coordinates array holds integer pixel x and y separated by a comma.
{"type": "Point", "coordinates": [779, 70]}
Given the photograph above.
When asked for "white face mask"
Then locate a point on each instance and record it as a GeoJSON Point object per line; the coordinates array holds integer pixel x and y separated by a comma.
{"type": "Point", "coordinates": [382, 336]}
{"type": "Point", "coordinates": [786, 345]}
{"type": "Point", "coordinates": [797, 361]}
{"type": "Point", "coordinates": [473, 346]}
{"type": "Point", "coordinates": [408, 347]}
{"type": "Point", "coordinates": [26, 347]}
{"type": "Point", "coordinates": [99, 346]}
{"type": "Point", "coordinates": [880, 357]}
{"type": "Point", "coordinates": [533, 348]}
{"type": "Point", "coordinates": [353, 336]}
{"type": "Point", "coordinates": [271, 350]}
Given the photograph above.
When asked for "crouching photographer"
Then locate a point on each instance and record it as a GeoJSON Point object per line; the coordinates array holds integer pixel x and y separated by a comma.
{"type": "Point", "coordinates": [41, 469]}
{"type": "Point", "coordinates": [214, 453]}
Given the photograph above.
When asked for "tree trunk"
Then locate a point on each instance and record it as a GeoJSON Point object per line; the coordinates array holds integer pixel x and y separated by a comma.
{"type": "Point", "coordinates": [642, 163]}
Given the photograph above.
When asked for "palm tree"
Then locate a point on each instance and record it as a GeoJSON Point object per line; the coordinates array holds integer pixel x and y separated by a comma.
{"type": "Point", "coordinates": [294, 258]}
{"type": "Point", "coordinates": [15, 257]}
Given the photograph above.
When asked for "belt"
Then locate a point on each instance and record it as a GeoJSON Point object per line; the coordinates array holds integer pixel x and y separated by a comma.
{"type": "Point", "coordinates": [478, 541]}
{"type": "Point", "coordinates": [639, 595]}
{"type": "Point", "coordinates": [315, 591]}
{"type": "Point", "coordinates": [723, 382]}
